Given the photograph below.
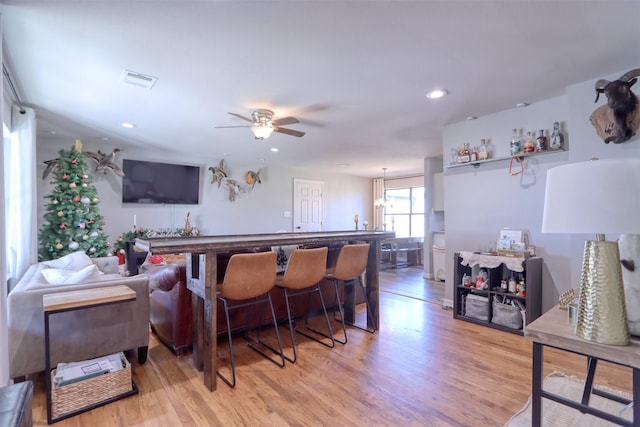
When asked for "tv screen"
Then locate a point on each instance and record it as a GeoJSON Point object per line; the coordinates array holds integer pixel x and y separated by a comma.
{"type": "Point", "coordinates": [151, 182]}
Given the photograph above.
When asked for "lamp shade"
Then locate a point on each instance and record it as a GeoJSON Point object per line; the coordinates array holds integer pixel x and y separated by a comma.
{"type": "Point", "coordinates": [596, 196]}
{"type": "Point", "coordinates": [262, 131]}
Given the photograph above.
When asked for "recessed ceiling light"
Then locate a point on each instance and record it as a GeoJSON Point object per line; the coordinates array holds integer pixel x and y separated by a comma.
{"type": "Point", "coordinates": [104, 138]}
{"type": "Point", "coordinates": [438, 93]}
{"type": "Point", "coordinates": [522, 105]}
{"type": "Point", "coordinates": [344, 165]}
{"type": "Point", "coordinates": [128, 125]}
{"type": "Point", "coordinates": [274, 149]}
{"type": "Point", "coordinates": [471, 118]}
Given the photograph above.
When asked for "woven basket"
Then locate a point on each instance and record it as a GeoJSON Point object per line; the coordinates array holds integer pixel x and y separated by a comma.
{"type": "Point", "coordinates": [73, 397]}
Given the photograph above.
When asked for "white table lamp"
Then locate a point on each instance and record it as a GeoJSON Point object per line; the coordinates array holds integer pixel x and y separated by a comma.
{"type": "Point", "coordinates": [597, 197]}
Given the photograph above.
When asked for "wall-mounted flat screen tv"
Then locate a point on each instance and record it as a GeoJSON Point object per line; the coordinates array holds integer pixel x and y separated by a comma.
{"type": "Point", "coordinates": [151, 182]}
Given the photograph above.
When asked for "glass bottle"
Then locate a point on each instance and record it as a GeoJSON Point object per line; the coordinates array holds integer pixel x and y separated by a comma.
{"type": "Point", "coordinates": [522, 287]}
{"type": "Point", "coordinates": [512, 284]}
{"type": "Point", "coordinates": [541, 141]}
{"type": "Point", "coordinates": [483, 154]}
{"type": "Point", "coordinates": [529, 144]}
{"type": "Point", "coordinates": [556, 141]}
{"type": "Point", "coordinates": [516, 147]}
{"type": "Point", "coordinates": [474, 154]}
{"type": "Point", "coordinates": [463, 154]}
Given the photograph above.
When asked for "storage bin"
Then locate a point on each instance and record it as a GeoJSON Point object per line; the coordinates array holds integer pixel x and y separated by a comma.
{"type": "Point", "coordinates": [476, 308]}
{"type": "Point", "coordinates": [84, 394]}
{"type": "Point", "coordinates": [506, 315]}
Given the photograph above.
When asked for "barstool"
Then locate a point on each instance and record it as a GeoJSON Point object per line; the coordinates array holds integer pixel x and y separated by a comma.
{"type": "Point", "coordinates": [350, 266]}
{"type": "Point", "coordinates": [248, 279]}
{"type": "Point", "coordinates": [304, 271]}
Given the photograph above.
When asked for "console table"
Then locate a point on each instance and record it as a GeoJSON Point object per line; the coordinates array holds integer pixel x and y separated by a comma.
{"type": "Point", "coordinates": [201, 253]}
{"type": "Point", "coordinates": [553, 329]}
{"type": "Point", "coordinates": [410, 246]}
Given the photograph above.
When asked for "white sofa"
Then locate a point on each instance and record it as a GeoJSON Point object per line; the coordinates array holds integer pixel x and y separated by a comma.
{"type": "Point", "coordinates": [79, 334]}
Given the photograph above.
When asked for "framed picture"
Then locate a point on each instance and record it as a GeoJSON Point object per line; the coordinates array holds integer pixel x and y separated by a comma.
{"type": "Point", "coordinates": [512, 238]}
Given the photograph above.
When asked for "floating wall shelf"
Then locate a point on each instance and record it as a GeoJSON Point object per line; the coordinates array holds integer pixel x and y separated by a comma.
{"type": "Point", "coordinates": [477, 163]}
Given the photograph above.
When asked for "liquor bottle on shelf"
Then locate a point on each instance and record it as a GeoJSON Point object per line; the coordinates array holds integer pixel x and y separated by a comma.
{"type": "Point", "coordinates": [483, 153]}
{"type": "Point", "coordinates": [522, 287]}
{"type": "Point", "coordinates": [556, 141]}
{"type": "Point", "coordinates": [529, 144]}
{"type": "Point", "coordinates": [464, 156]}
{"type": "Point", "coordinates": [541, 141]}
{"type": "Point", "coordinates": [516, 147]}
{"type": "Point", "coordinates": [512, 284]}
{"type": "Point", "coordinates": [474, 154]}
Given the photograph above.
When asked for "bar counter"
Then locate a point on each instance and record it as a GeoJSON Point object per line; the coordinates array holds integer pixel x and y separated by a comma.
{"type": "Point", "coordinates": [201, 255]}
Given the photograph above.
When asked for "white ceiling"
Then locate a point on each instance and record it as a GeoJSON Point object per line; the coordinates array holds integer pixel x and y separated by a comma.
{"type": "Point", "coordinates": [354, 73]}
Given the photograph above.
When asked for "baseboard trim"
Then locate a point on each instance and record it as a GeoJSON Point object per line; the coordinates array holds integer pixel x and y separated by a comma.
{"type": "Point", "coordinates": [447, 303]}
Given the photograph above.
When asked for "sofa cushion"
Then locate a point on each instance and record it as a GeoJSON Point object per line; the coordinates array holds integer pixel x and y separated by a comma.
{"type": "Point", "coordinates": [75, 261]}
{"type": "Point", "coordinates": [60, 276]}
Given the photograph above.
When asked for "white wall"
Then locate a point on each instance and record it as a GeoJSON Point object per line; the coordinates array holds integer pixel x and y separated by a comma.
{"type": "Point", "coordinates": [481, 201]}
{"type": "Point", "coordinates": [259, 211]}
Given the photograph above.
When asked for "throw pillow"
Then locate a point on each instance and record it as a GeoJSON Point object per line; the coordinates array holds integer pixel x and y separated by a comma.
{"type": "Point", "coordinates": [74, 261]}
{"type": "Point", "coordinates": [59, 276]}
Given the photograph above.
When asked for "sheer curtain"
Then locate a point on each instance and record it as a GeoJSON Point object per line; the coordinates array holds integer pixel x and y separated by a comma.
{"type": "Point", "coordinates": [20, 194]}
{"type": "Point", "coordinates": [378, 206]}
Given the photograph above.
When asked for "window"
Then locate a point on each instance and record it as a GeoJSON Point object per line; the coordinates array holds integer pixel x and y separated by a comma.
{"type": "Point", "coordinates": [404, 211]}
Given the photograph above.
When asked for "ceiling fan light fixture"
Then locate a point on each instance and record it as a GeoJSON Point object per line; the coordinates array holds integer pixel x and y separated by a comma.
{"type": "Point", "coordinates": [262, 131]}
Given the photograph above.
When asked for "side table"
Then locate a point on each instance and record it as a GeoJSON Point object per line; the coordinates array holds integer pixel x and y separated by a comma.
{"type": "Point", "coordinates": [83, 299]}
{"type": "Point", "coordinates": [553, 329]}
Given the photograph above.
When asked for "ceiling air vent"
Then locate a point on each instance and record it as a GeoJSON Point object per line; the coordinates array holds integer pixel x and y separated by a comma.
{"type": "Point", "coordinates": [138, 79]}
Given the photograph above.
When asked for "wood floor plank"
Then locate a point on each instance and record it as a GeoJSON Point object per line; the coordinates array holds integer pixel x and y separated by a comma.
{"type": "Point", "coordinates": [422, 368]}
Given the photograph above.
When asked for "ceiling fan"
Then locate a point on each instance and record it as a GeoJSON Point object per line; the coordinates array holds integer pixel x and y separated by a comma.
{"type": "Point", "coordinates": [263, 124]}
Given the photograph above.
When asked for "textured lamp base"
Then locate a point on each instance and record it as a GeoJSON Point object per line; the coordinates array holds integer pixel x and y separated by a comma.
{"type": "Point", "coordinates": [602, 315]}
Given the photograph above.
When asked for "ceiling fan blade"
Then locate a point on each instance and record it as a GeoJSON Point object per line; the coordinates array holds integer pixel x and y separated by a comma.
{"type": "Point", "coordinates": [285, 121]}
{"type": "Point", "coordinates": [220, 127]}
{"type": "Point", "coordinates": [242, 117]}
{"type": "Point", "coordinates": [288, 131]}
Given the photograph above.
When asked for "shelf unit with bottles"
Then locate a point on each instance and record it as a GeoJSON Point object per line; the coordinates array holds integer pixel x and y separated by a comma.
{"type": "Point", "coordinates": [485, 312]}
{"type": "Point", "coordinates": [522, 156]}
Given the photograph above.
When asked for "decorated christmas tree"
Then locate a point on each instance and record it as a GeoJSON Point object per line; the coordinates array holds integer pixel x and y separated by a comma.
{"type": "Point", "coordinates": [73, 219]}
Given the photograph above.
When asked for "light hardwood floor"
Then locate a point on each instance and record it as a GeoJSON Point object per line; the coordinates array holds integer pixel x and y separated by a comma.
{"type": "Point", "coordinates": [423, 368]}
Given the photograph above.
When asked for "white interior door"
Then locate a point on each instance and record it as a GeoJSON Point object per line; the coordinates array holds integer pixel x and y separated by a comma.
{"type": "Point", "coordinates": [307, 205]}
